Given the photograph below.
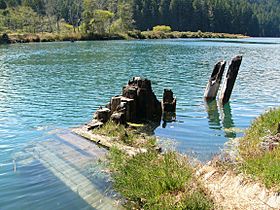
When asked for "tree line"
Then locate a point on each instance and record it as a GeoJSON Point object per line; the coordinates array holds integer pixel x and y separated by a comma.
{"type": "Point", "coordinates": [249, 17]}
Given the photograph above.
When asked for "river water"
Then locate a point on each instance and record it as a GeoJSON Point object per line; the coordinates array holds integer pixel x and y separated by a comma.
{"type": "Point", "coordinates": [49, 86]}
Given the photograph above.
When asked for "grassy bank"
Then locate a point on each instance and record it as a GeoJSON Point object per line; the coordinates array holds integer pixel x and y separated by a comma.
{"type": "Point", "coordinates": [178, 34]}
{"type": "Point", "coordinates": [152, 180]}
{"type": "Point", "coordinates": [71, 36]}
{"type": "Point", "coordinates": [262, 164]}
{"type": "Point", "coordinates": [54, 37]}
{"type": "Point", "coordinates": [133, 135]}
{"type": "Point", "coordinates": [157, 181]}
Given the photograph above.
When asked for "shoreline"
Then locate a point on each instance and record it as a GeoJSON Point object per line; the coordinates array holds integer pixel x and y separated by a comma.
{"type": "Point", "coordinates": [12, 38]}
{"type": "Point", "coordinates": [228, 189]}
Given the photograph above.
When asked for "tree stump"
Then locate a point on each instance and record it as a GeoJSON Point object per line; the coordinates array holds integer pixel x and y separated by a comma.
{"type": "Point", "coordinates": [230, 79]}
{"type": "Point", "coordinates": [5, 39]}
{"type": "Point", "coordinates": [102, 115]}
{"type": "Point", "coordinates": [119, 118]}
{"type": "Point", "coordinates": [130, 109]}
{"type": "Point", "coordinates": [145, 107]}
{"type": "Point", "coordinates": [215, 81]}
{"type": "Point", "coordinates": [168, 102]}
{"type": "Point", "coordinates": [115, 103]}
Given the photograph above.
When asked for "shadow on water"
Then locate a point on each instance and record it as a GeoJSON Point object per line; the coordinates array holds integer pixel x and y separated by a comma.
{"type": "Point", "coordinates": [223, 119]}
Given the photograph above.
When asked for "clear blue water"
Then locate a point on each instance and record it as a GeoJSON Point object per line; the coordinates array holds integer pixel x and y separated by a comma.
{"type": "Point", "coordinates": [45, 86]}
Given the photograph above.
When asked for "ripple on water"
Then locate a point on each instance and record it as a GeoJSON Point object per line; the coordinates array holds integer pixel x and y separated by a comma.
{"type": "Point", "coordinates": [44, 86]}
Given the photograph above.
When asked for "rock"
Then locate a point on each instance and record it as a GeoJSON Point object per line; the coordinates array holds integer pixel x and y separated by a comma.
{"type": "Point", "coordinates": [269, 143]}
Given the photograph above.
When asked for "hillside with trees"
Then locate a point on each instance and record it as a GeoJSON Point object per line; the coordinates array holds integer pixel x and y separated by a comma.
{"type": "Point", "coordinates": [249, 17]}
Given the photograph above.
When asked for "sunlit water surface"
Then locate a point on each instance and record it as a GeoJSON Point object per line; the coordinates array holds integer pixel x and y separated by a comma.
{"type": "Point", "coordinates": [48, 86]}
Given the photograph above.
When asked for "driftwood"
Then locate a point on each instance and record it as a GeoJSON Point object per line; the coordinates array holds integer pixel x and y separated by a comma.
{"type": "Point", "coordinates": [230, 79]}
{"type": "Point", "coordinates": [215, 81]}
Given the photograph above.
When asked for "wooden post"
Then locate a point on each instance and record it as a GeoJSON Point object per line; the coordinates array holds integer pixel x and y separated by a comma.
{"type": "Point", "coordinates": [115, 102]}
{"type": "Point", "coordinates": [102, 115]}
{"type": "Point", "coordinates": [168, 102]}
{"type": "Point", "coordinates": [230, 79]}
{"type": "Point", "coordinates": [215, 81]}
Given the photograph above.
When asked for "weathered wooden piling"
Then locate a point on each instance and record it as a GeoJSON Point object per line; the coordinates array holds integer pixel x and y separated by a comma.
{"type": "Point", "coordinates": [168, 102]}
{"type": "Point", "coordinates": [230, 79]}
{"type": "Point", "coordinates": [215, 81]}
{"type": "Point", "coordinates": [102, 114]}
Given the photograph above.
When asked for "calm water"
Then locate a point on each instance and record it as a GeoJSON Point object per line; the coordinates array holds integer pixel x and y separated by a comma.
{"type": "Point", "coordinates": [59, 85]}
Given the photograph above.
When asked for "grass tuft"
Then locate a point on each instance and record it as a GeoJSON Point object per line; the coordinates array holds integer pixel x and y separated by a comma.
{"type": "Point", "coordinates": [256, 162]}
{"type": "Point", "coordinates": [130, 136]}
{"type": "Point", "coordinates": [153, 181]}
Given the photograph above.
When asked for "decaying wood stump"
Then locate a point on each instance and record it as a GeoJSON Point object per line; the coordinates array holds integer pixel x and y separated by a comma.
{"type": "Point", "coordinates": [215, 81]}
{"type": "Point", "coordinates": [145, 106]}
{"type": "Point", "coordinates": [230, 79]}
{"type": "Point", "coordinates": [4, 39]}
{"type": "Point", "coordinates": [168, 102]}
{"type": "Point", "coordinates": [138, 103]}
{"type": "Point", "coordinates": [119, 118]}
{"type": "Point", "coordinates": [102, 115]}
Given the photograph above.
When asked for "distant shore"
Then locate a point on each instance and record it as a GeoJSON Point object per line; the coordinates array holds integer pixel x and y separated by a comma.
{"type": "Point", "coordinates": [12, 38]}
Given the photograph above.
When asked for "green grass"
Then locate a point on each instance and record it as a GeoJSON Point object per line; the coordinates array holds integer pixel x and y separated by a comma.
{"type": "Point", "coordinates": [261, 165]}
{"type": "Point", "coordinates": [67, 34]}
{"type": "Point", "coordinates": [180, 34]}
{"type": "Point", "coordinates": [153, 181]}
{"type": "Point", "coordinates": [129, 136]}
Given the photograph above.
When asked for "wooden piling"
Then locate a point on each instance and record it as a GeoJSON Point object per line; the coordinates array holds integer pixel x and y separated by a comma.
{"type": "Point", "coordinates": [215, 81]}
{"type": "Point", "coordinates": [230, 79]}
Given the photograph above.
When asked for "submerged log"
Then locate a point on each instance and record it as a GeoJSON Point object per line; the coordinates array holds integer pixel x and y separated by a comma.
{"type": "Point", "coordinates": [230, 79]}
{"type": "Point", "coordinates": [215, 81]}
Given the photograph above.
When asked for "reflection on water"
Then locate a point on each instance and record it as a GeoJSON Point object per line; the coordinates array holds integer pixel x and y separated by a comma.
{"type": "Point", "coordinates": [213, 114]}
{"type": "Point", "coordinates": [225, 117]}
{"type": "Point", "coordinates": [227, 121]}
{"type": "Point", "coordinates": [59, 85]}
{"type": "Point", "coordinates": [168, 117]}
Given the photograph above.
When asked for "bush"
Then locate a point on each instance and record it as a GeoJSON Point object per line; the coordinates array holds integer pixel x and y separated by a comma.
{"type": "Point", "coordinates": [162, 28]}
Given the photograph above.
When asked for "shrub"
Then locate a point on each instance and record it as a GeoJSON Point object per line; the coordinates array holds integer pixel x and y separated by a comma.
{"type": "Point", "coordinates": [162, 28]}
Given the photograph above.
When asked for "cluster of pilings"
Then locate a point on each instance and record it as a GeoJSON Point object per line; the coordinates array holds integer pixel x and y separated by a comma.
{"type": "Point", "coordinates": [216, 78]}
{"type": "Point", "coordinates": [136, 104]}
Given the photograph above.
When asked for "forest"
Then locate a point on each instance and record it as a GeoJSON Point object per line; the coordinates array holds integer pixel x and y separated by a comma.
{"type": "Point", "coordinates": [248, 17]}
